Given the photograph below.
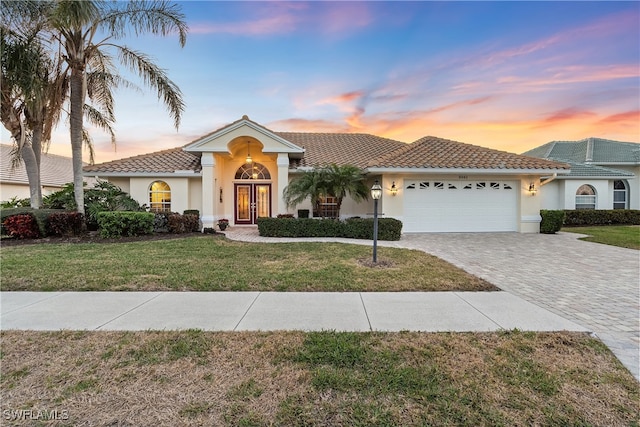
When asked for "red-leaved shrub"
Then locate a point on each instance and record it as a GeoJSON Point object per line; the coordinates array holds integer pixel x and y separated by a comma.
{"type": "Point", "coordinates": [66, 223]}
{"type": "Point", "coordinates": [22, 226]}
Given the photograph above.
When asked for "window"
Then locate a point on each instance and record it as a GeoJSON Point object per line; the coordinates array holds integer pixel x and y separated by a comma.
{"type": "Point", "coordinates": [586, 197]}
{"type": "Point", "coordinates": [619, 195]}
{"type": "Point", "coordinates": [252, 171]}
{"type": "Point", "coordinates": [326, 207]}
{"type": "Point", "coordinates": [160, 197]}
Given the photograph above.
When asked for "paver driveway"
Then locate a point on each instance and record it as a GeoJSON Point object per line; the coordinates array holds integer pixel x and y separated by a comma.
{"type": "Point", "coordinates": [594, 285]}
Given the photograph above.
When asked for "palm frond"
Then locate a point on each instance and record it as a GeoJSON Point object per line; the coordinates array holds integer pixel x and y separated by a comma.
{"type": "Point", "coordinates": [156, 78]}
{"type": "Point", "coordinates": [156, 17]}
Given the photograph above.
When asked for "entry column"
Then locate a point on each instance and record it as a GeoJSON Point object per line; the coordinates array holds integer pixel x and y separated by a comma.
{"type": "Point", "coordinates": [208, 163]}
{"type": "Point", "coordinates": [283, 181]}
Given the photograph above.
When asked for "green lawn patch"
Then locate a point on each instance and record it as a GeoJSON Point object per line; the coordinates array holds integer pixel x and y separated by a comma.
{"type": "Point", "coordinates": [624, 236]}
{"type": "Point", "coordinates": [208, 263]}
{"type": "Point", "coordinates": [326, 378]}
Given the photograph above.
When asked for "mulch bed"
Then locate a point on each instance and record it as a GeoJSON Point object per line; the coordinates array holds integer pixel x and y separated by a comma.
{"type": "Point", "coordinates": [94, 237]}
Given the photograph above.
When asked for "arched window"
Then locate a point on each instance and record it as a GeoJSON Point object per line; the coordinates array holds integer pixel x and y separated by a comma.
{"type": "Point", "coordinates": [252, 171]}
{"type": "Point", "coordinates": [619, 195]}
{"type": "Point", "coordinates": [160, 197]}
{"type": "Point", "coordinates": [586, 197]}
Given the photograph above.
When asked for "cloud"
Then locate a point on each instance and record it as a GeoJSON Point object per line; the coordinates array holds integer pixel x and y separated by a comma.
{"type": "Point", "coordinates": [266, 18]}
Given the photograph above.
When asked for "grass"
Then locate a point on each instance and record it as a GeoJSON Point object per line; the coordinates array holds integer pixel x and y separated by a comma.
{"type": "Point", "coordinates": [624, 236]}
{"type": "Point", "coordinates": [317, 379]}
{"type": "Point", "coordinates": [208, 263]}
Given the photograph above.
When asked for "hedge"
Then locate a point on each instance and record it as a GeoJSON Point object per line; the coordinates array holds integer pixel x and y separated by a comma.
{"type": "Point", "coordinates": [41, 216]}
{"type": "Point", "coordinates": [551, 221]}
{"type": "Point", "coordinates": [354, 228]}
{"type": "Point", "coordinates": [124, 223]}
{"type": "Point", "coordinates": [584, 217]}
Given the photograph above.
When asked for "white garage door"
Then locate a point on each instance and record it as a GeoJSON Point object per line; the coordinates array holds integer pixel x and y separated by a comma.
{"type": "Point", "coordinates": [460, 206]}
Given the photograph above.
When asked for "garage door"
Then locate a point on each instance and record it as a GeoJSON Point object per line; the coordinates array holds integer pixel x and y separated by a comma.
{"type": "Point", "coordinates": [460, 206]}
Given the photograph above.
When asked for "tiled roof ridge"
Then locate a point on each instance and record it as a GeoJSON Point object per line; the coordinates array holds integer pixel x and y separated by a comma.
{"type": "Point", "coordinates": [394, 157]}
{"type": "Point", "coordinates": [141, 156]}
{"type": "Point", "coordinates": [243, 118]}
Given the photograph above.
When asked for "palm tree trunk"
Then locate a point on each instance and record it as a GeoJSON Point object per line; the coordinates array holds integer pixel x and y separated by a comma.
{"type": "Point", "coordinates": [36, 146]}
{"type": "Point", "coordinates": [75, 119]}
{"type": "Point", "coordinates": [33, 175]}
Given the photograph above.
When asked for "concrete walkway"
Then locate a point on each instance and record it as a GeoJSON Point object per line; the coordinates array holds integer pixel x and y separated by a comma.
{"type": "Point", "coordinates": [268, 311]}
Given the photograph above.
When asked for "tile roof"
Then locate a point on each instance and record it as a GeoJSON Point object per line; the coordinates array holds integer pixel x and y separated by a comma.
{"type": "Point", "coordinates": [584, 170]}
{"type": "Point", "coordinates": [55, 170]}
{"type": "Point", "coordinates": [433, 152]}
{"type": "Point", "coordinates": [166, 161]}
{"type": "Point", "coordinates": [589, 150]}
{"type": "Point", "coordinates": [324, 148]}
{"type": "Point", "coordinates": [362, 150]}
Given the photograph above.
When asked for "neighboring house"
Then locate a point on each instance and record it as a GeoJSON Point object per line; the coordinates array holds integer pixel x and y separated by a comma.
{"type": "Point", "coordinates": [604, 174]}
{"type": "Point", "coordinates": [239, 172]}
{"type": "Point", "coordinates": [55, 172]}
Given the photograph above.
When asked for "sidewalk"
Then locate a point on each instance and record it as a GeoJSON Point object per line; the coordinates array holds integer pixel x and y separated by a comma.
{"type": "Point", "coordinates": [269, 311]}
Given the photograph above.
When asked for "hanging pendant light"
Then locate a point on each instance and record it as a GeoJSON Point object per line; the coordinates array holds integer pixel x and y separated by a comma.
{"type": "Point", "coordinates": [248, 160]}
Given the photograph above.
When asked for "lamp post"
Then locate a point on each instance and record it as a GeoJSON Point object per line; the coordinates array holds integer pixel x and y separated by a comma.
{"type": "Point", "coordinates": [376, 193]}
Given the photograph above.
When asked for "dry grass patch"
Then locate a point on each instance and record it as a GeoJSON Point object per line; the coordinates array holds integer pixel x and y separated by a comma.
{"type": "Point", "coordinates": [327, 378]}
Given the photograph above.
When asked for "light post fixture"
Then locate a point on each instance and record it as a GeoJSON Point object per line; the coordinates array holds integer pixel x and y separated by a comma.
{"type": "Point", "coordinates": [376, 193]}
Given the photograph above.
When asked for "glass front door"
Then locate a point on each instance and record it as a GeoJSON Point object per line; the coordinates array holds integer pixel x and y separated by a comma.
{"type": "Point", "coordinates": [252, 202]}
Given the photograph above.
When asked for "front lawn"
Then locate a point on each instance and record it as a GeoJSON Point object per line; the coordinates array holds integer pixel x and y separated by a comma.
{"type": "Point", "coordinates": [212, 263]}
{"type": "Point", "coordinates": [195, 378]}
{"type": "Point", "coordinates": [625, 236]}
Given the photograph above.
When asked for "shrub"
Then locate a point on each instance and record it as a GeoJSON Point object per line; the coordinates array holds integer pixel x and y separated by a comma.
{"type": "Point", "coordinates": [285, 215]}
{"type": "Point", "coordinates": [66, 224]}
{"type": "Point", "coordinates": [551, 221]}
{"type": "Point", "coordinates": [356, 228]}
{"type": "Point", "coordinates": [160, 222]}
{"type": "Point", "coordinates": [22, 226]}
{"type": "Point", "coordinates": [191, 222]}
{"type": "Point", "coordinates": [602, 217]}
{"type": "Point", "coordinates": [122, 223]}
{"type": "Point", "coordinates": [175, 223]}
{"type": "Point", "coordinates": [362, 228]}
{"type": "Point", "coordinates": [41, 216]}
{"type": "Point", "coordinates": [14, 202]}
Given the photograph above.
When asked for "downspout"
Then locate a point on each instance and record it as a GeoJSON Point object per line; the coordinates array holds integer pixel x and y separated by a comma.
{"type": "Point", "coordinates": [548, 180]}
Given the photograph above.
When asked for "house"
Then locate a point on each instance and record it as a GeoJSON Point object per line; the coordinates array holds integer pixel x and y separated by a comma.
{"type": "Point", "coordinates": [55, 171]}
{"type": "Point", "coordinates": [604, 174]}
{"type": "Point", "coordinates": [239, 172]}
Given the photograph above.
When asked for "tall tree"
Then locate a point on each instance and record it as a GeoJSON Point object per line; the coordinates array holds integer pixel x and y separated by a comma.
{"type": "Point", "coordinates": [88, 32]}
{"type": "Point", "coordinates": [33, 86]}
{"type": "Point", "coordinates": [332, 180]}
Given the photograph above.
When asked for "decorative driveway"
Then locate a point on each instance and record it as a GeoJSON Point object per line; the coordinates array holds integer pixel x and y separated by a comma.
{"type": "Point", "coordinates": [594, 285]}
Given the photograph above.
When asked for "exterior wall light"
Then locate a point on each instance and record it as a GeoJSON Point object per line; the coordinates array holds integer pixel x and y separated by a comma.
{"type": "Point", "coordinates": [532, 189]}
{"type": "Point", "coordinates": [248, 160]}
{"type": "Point", "coordinates": [394, 189]}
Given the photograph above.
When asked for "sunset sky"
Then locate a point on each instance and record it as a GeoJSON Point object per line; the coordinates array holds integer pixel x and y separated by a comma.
{"type": "Point", "coordinates": [504, 75]}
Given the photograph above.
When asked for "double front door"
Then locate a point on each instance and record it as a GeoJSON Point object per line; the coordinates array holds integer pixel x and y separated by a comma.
{"type": "Point", "coordinates": [253, 201]}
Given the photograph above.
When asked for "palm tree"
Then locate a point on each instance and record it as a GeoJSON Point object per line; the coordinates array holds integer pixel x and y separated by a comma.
{"type": "Point", "coordinates": [333, 181]}
{"type": "Point", "coordinates": [35, 88]}
{"type": "Point", "coordinates": [346, 180]}
{"type": "Point", "coordinates": [77, 24]}
{"type": "Point", "coordinates": [31, 86]}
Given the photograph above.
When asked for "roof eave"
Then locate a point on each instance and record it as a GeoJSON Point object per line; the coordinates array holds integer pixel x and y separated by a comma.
{"type": "Point", "coordinates": [143, 174]}
{"type": "Point", "coordinates": [197, 145]}
{"type": "Point", "coordinates": [475, 171]}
